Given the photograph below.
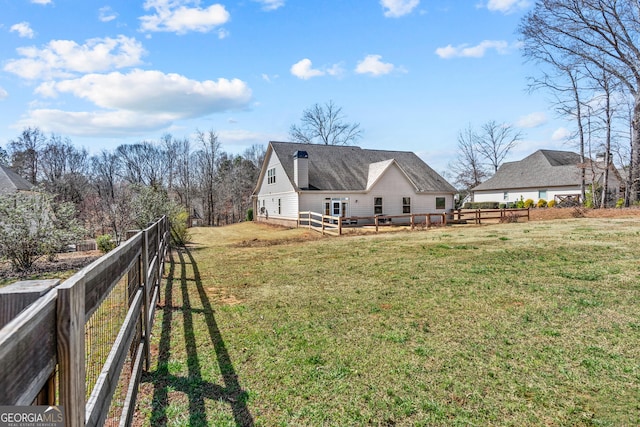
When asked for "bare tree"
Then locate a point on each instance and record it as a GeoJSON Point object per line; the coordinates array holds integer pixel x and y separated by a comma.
{"type": "Point", "coordinates": [495, 141]}
{"type": "Point", "coordinates": [142, 163]}
{"type": "Point", "coordinates": [4, 157]}
{"type": "Point", "coordinates": [25, 151]}
{"type": "Point", "coordinates": [324, 124]}
{"type": "Point", "coordinates": [602, 33]}
{"type": "Point", "coordinates": [255, 154]}
{"type": "Point", "coordinates": [566, 87]}
{"type": "Point", "coordinates": [468, 168]}
{"type": "Point", "coordinates": [64, 169]}
{"type": "Point", "coordinates": [207, 167]}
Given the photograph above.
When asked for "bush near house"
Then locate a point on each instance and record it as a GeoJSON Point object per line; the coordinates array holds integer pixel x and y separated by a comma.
{"type": "Point", "coordinates": [481, 205]}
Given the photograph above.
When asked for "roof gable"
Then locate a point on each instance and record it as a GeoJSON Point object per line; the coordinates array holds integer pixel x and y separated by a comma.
{"type": "Point", "coordinates": [10, 182]}
{"type": "Point", "coordinates": [350, 168]}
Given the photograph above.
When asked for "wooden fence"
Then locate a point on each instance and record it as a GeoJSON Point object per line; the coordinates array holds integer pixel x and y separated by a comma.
{"type": "Point", "coordinates": [327, 224]}
{"type": "Point", "coordinates": [478, 215]}
{"type": "Point", "coordinates": [44, 327]}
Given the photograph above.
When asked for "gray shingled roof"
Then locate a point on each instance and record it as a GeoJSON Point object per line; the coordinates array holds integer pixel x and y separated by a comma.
{"type": "Point", "coordinates": [346, 168]}
{"type": "Point", "coordinates": [10, 182]}
{"type": "Point", "coordinates": [544, 168]}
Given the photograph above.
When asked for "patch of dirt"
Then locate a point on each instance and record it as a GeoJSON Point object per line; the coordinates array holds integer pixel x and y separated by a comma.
{"type": "Point", "coordinates": [258, 243]}
{"type": "Point", "coordinates": [542, 214]}
{"type": "Point", "coordinates": [63, 262]}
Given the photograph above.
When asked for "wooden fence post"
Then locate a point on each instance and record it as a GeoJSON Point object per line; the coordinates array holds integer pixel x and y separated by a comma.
{"type": "Point", "coordinates": [145, 297]}
{"type": "Point", "coordinates": [19, 295]}
{"type": "Point", "coordinates": [339, 226]}
{"type": "Point", "coordinates": [71, 351]}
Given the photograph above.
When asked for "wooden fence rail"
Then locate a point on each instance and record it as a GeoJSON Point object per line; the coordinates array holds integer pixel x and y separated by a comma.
{"type": "Point", "coordinates": [43, 329]}
{"type": "Point", "coordinates": [478, 215]}
{"type": "Point", "coordinates": [327, 224]}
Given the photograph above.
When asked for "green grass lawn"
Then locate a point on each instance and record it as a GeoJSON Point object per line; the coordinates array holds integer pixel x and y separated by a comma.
{"type": "Point", "coordinates": [514, 324]}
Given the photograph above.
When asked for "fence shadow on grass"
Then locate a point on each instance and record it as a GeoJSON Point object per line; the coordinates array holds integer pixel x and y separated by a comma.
{"type": "Point", "coordinates": [194, 386]}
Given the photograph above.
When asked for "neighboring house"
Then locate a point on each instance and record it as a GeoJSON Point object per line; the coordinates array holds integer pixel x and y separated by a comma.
{"type": "Point", "coordinates": [346, 181]}
{"type": "Point", "coordinates": [545, 174]}
{"type": "Point", "coordinates": [11, 182]}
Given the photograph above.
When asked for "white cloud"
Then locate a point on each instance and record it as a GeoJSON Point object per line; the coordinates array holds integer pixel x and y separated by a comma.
{"type": "Point", "coordinates": [154, 92]}
{"type": "Point", "coordinates": [64, 58]}
{"type": "Point", "coordinates": [561, 134]}
{"type": "Point", "coordinates": [397, 8]}
{"type": "Point", "coordinates": [303, 69]}
{"type": "Point", "coordinates": [41, 1]}
{"type": "Point", "coordinates": [335, 70]}
{"type": "Point", "coordinates": [137, 101]}
{"type": "Point", "coordinates": [532, 120]}
{"type": "Point", "coordinates": [372, 64]}
{"type": "Point", "coordinates": [106, 14]}
{"type": "Point", "coordinates": [23, 29]}
{"type": "Point", "coordinates": [270, 4]}
{"type": "Point", "coordinates": [478, 51]}
{"type": "Point", "coordinates": [3, 93]}
{"type": "Point", "coordinates": [223, 34]}
{"type": "Point", "coordinates": [175, 16]}
{"type": "Point", "coordinates": [507, 6]}
{"type": "Point", "coordinates": [100, 123]}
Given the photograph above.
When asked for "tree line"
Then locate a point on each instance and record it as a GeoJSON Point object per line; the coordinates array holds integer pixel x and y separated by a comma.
{"type": "Point", "coordinates": [116, 190]}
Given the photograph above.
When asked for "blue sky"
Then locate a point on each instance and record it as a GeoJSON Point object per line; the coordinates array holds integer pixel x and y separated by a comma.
{"type": "Point", "coordinates": [413, 73]}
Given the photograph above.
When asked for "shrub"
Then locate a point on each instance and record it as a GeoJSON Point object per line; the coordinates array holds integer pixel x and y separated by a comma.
{"type": "Point", "coordinates": [105, 243]}
{"type": "Point", "coordinates": [250, 214]}
{"type": "Point", "coordinates": [520, 203]}
{"type": "Point", "coordinates": [33, 225]}
{"type": "Point", "coordinates": [481, 205]}
{"type": "Point", "coordinates": [179, 229]}
{"type": "Point", "coordinates": [551, 203]}
{"type": "Point", "coordinates": [542, 203]}
{"type": "Point", "coordinates": [528, 203]}
{"type": "Point", "coordinates": [620, 203]}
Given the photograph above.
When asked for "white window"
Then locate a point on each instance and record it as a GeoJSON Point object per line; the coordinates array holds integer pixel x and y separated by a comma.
{"type": "Point", "coordinates": [279, 206]}
{"type": "Point", "coordinates": [505, 196]}
{"type": "Point", "coordinates": [440, 203]}
{"type": "Point", "coordinates": [377, 205]}
{"type": "Point", "coordinates": [406, 205]}
{"type": "Point", "coordinates": [542, 194]}
{"type": "Point", "coordinates": [271, 176]}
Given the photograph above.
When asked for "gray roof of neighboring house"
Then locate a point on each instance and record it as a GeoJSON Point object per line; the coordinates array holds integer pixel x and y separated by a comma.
{"type": "Point", "coordinates": [544, 168]}
{"type": "Point", "coordinates": [10, 182]}
{"type": "Point", "coordinates": [346, 168]}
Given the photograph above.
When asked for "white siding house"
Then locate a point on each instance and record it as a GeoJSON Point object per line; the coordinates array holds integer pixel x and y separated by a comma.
{"type": "Point", "coordinates": [545, 174]}
{"type": "Point", "coordinates": [346, 181]}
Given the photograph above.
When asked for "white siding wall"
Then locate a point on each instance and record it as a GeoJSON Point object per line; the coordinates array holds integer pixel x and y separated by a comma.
{"type": "Point", "coordinates": [392, 187]}
{"type": "Point", "coordinates": [526, 193]}
{"type": "Point", "coordinates": [279, 193]}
